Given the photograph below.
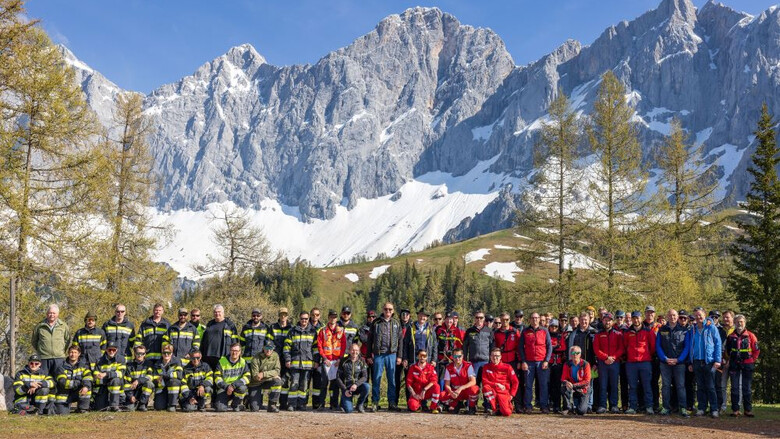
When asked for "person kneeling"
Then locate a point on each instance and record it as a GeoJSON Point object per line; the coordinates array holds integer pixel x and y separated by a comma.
{"type": "Point", "coordinates": [460, 383]}
{"type": "Point", "coordinates": [231, 378]}
{"type": "Point", "coordinates": [31, 388]}
{"type": "Point", "coordinates": [198, 382]}
{"type": "Point", "coordinates": [352, 379]}
{"type": "Point", "coordinates": [574, 382]}
{"type": "Point", "coordinates": [265, 371]}
{"type": "Point", "coordinates": [423, 384]}
{"type": "Point", "coordinates": [167, 377]}
{"type": "Point", "coordinates": [74, 383]}
{"type": "Point", "coordinates": [499, 384]}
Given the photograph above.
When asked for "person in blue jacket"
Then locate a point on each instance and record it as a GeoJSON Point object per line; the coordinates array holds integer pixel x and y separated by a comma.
{"type": "Point", "coordinates": [705, 356]}
{"type": "Point", "coordinates": [673, 345]}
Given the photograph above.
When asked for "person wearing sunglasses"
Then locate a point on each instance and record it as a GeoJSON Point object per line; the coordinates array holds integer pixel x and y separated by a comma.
{"type": "Point", "coordinates": [507, 339]}
{"type": "Point", "coordinates": [199, 382]}
{"type": "Point", "coordinates": [499, 384]}
{"type": "Point", "coordinates": [301, 355]}
{"type": "Point", "coordinates": [31, 387]}
{"type": "Point", "coordinates": [91, 339]}
{"type": "Point", "coordinates": [575, 383]}
{"type": "Point", "coordinates": [183, 336]}
{"type": "Point", "coordinates": [138, 380]}
{"type": "Point", "coordinates": [167, 375]}
{"type": "Point", "coordinates": [120, 331]}
{"type": "Point", "coordinates": [195, 320]}
{"type": "Point", "coordinates": [422, 384]}
{"type": "Point", "coordinates": [386, 343]}
{"type": "Point", "coordinates": [460, 384]}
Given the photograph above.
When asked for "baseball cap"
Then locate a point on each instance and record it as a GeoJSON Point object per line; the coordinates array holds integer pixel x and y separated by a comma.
{"type": "Point", "coordinates": [91, 315]}
{"type": "Point", "coordinates": [607, 315]}
{"type": "Point", "coordinates": [423, 312]}
{"type": "Point", "coordinates": [714, 313]}
{"type": "Point", "coordinates": [111, 345]}
{"type": "Point", "coordinates": [283, 310]}
{"type": "Point", "coordinates": [590, 308]}
{"type": "Point", "coordinates": [620, 313]}
{"type": "Point", "coordinates": [636, 314]}
{"type": "Point", "coordinates": [404, 310]}
{"type": "Point", "coordinates": [519, 313]}
{"type": "Point", "coordinates": [346, 309]}
{"type": "Point", "coordinates": [489, 318]}
{"type": "Point", "coordinates": [649, 308]}
{"type": "Point", "coordinates": [563, 315]}
{"type": "Point", "coordinates": [183, 311]}
{"type": "Point", "coordinates": [554, 322]}
{"type": "Point", "coordinates": [257, 311]}
{"type": "Point", "coordinates": [34, 357]}
{"type": "Point", "coordinates": [268, 346]}
{"type": "Point", "coordinates": [372, 313]}
{"type": "Point", "coordinates": [682, 313]}
{"type": "Point", "coordinates": [332, 313]}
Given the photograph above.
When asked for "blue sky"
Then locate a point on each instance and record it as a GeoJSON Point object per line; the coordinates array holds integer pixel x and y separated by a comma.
{"type": "Point", "coordinates": [141, 45]}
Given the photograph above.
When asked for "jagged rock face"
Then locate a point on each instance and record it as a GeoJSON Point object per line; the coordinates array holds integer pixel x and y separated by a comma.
{"type": "Point", "coordinates": [422, 93]}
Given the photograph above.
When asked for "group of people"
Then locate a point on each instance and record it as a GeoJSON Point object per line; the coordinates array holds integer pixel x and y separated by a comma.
{"type": "Point", "coordinates": [591, 362]}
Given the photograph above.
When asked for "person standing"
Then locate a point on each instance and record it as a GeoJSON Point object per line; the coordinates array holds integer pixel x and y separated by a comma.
{"type": "Point", "coordinates": [195, 320]}
{"type": "Point", "coordinates": [608, 346]}
{"type": "Point", "coordinates": [385, 343]}
{"type": "Point", "coordinates": [507, 340]}
{"type": "Point", "coordinates": [152, 331]}
{"type": "Point", "coordinates": [400, 371]}
{"type": "Point", "coordinates": [277, 335]}
{"type": "Point", "coordinates": [742, 347]}
{"type": "Point", "coordinates": [639, 343]}
{"type": "Point", "coordinates": [121, 332]}
{"type": "Point", "coordinates": [725, 329]}
{"type": "Point", "coordinates": [183, 336]}
{"type": "Point", "coordinates": [315, 377]}
{"type": "Point", "coordinates": [499, 384]}
{"type": "Point", "coordinates": [673, 344]}
{"type": "Point", "coordinates": [652, 324]}
{"type": "Point", "coordinates": [558, 358]}
{"type": "Point", "coordinates": [477, 342]}
{"type": "Point", "coordinates": [91, 339]}
{"type": "Point", "coordinates": [353, 380]}
{"type": "Point", "coordinates": [50, 340]}
{"type": "Point", "coordinates": [535, 353]}
{"type": "Point", "coordinates": [253, 335]}
{"type": "Point", "coordinates": [219, 335]}
{"type": "Point", "coordinates": [705, 358]}
{"type": "Point", "coordinates": [332, 344]}
{"type": "Point", "coordinates": [300, 357]}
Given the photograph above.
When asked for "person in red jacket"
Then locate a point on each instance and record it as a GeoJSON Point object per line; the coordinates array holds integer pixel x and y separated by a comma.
{"type": "Point", "coordinates": [743, 351]}
{"type": "Point", "coordinates": [499, 384]}
{"type": "Point", "coordinates": [535, 352]}
{"type": "Point", "coordinates": [558, 357]}
{"type": "Point", "coordinates": [449, 338]}
{"type": "Point", "coordinates": [507, 339]}
{"type": "Point", "coordinates": [332, 343]}
{"type": "Point", "coordinates": [639, 342]}
{"type": "Point", "coordinates": [575, 382]}
{"type": "Point", "coordinates": [460, 384]}
{"type": "Point", "coordinates": [422, 383]}
{"type": "Point", "coordinates": [608, 344]}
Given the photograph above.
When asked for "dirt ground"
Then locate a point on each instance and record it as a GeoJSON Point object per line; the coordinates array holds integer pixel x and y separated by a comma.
{"type": "Point", "coordinates": [386, 425]}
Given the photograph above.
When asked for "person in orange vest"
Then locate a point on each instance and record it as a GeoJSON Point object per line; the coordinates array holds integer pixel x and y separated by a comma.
{"type": "Point", "coordinates": [743, 351]}
{"type": "Point", "coordinates": [332, 343]}
{"type": "Point", "coordinates": [499, 384]}
{"type": "Point", "coordinates": [422, 382]}
{"type": "Point", "coordinates": [460, 384]}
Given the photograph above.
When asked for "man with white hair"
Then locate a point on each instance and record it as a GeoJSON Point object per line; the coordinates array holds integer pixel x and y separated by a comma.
{"type": "Point", "coordinates": [220, 333]}
{"type": "Point", "coordinates": [51, 339]}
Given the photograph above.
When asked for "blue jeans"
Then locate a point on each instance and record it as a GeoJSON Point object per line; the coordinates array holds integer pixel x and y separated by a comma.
{"type": "Point", "coordinates": [705, 385]}
{"type": "Point", "coordinates": [674, 373]}
{"type": "Point", "coordinates": [608, 383]}
{"type": "Point", "coordinates": [640, 372]}
{"type": "Point", "coordinates": [542, 377]}
{"type": "Point", "coordinates": [361, 392]}
{"type": "Point", "coordinates": [382, 362]}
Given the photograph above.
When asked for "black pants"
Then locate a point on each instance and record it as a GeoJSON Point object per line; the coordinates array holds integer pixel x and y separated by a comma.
{"type": "Point", "coordinates": [223, 401]}
{"type": "Point", "coordinates": [285, 391]}
{"type": "Point", "coordinates": [64, 400]}
{"type": "Point", "coordinates": [256, 393]}
{"type": "Point", "coordinates": [690, 388]}
{"type": "Point", "coordinates": [108, 394]}
{"type": "Point", "coordinates": [556, 370]}
{"type": "Point", "coordinates": [200, 401]}
{"type": "Point", "coordinates": [299, 386]}
{"type": "Point", "coordinates": [654, 384]}
{"type": "Point", "coordinates": [316, 385]}
{"type": "Point", "coordinates": [400, 381]}
{"type": "Point", "coordinates": [168, 395]}
{"type": "Point", "coordinates": [623, 386]}
{"type": "Point", "coordinates": [741, 383]}
{"type": "Point", "coordinates": [49, 366]}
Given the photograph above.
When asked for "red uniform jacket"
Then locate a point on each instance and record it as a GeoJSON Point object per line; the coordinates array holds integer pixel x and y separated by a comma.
{"type": "Point", "coordinates": [534, 344]}
{"type": "Point", "coordinates": [332, 343]}
{"type": "Point", "coordinates": [582, 380]}
{"type": "Point", "coordinates": [639, 345]}
{"type": "Point", "coordinates": [418, 377]}
{"type": "Point", "coordinates": [609, 343]}
{"type": "Point", "coordinates": [508, 341]}
{"type": "Point", "coordinates": [448, 340]}
{"type": "Point", "coordinates": [500, 373]}
{"type": "Point", "coordinates": [742, 348]}
{"type": "Point", "coordinates": [458, 379]}
{"type": "Point", "coordinates": [559, 348]}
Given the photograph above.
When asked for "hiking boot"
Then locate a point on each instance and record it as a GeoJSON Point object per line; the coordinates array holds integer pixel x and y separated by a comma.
{"type": "Point", "coordinates": [290, 409]}
{"type": "Point", "coordinates": [601, 411]}
{"type": "Point", "coordinates": [472, 411]}
{"type": "Point", "coordinates": [664, 412]}
{"type": "Point", "coordinates": [630, 412]}
{"type": "Point", "coordinates": [749, 414]}
{"type": "Point", "coordinates": [649, 412]}
{"type": "Point", "coordinates": [615, 410]}
{"type": "Point", "coordinates": [685, 413]}
{"type": "Point", "coordinates": [736, 414]}
{"type": "Point", "coordinates": [699, 413]}
{"type": "Point", "coordinates": [715, 414]}
{"type": "Point", "coordinates": [171, 409]}
{"type": "Point", "coordinates": [361, 409]}
{"type": "Point", "coordinates": [436, 411]}
{"type": "Point", "coordinates": [545, 411]}
{"type": "Point", "coordinates": [273, 409]}
{"type": "Point", "coordinates": [141, 408]}
{"type": "Point", "coordinates": [565, 412]}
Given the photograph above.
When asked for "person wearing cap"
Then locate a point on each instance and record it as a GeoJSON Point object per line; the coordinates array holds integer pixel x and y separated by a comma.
{"type": "Point", "coordinates": [621, 324]}
{"type": "Point", "coordinates": [705, 359]}
{"type": "Point", "coordinates": [517, 323]}
{"type": "Point", "coordinates": [400, 372]}
{"type": "Point", "coordinates": [219, 335]}
{"type": "Point", "coordinates": [138, 386]}
{"type": "Point", "coordinates": [420, 336]}
{"type": "Point", "coordinates": [684, 320]}
{"type": "Point", "coordinates": [507, 340]}
{"type": "Point", "coordinates": [535, 352]}
{"type": "Point", "coordinates": [231, 379]}
{"type": "Point", "coordinates": [350, 328]}
{"type": "Point", "coordinates": [332, 343]}
{"type": "Point", "coordinates": [301, 355]}
{"type": "Point", "coordinates": [50, 340]}
{"type": "Point", "coordinates": [364, 334]}
{"type": "Point", "coordinates": [264, 372]}
{"type": "Point", "coordinates": [253, 335]}
{"type": "Point", "coordinates": [109, 376]}
{"type": "Point", "coordinates": [352, 379]}
{"type": "Point", "coordinates": [152, 331]}
{"type": "Point", "coordinates": [575, 383]}
{"type": "Point", "coordinates": [183, 336]}
{"type": "Point", "coordinates": [386, 343]}
{"type": "Point", "coordinates": [639, 343]}
{"type": "Point", "coordinates": [74, 383]}
{"type": "Point", "coordinates": [608, 346]}
{"type": "Point", "coordinates": [449, 337]}
{"type": "Point", "coordinates": [563, 321]}
{"type": "Point", "coordinates": [499, 383]}
{"type": "Point", "coordinates": [120, 331]}
{"type": "Point", "coordinates": [31, 387]}
{"type": "Point", "coordinates": [91, 339]}
{"type": "Point", "coordinates": [277, 335]}
{"type": "Point", "coordinates": [460, 384]}
{"type": "Point", "coordinates": [557, 359]}
{"type": "Point", "coordinates": [742, 348]}
{"type": "Point", "coordinates": [198, 383]}
{"type": "Point", "coordinates": [167, 376]}
{"type": "Point", "coordinates": [651, 323]}
{"type": "Point", "coordinates": [422, 384]}
{"type": "Point", "coordinates": [673, 343]}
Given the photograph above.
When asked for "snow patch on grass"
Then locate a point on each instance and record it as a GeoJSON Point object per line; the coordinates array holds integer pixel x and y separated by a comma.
{"type": "Point", "coordinates": [502, 270]}
{"type": "Point", "coordinates": [352, 277]}
{"type": "Point", "coordinates": [477, 255]}
{"type": "Point", "coordinates": [378, 271]}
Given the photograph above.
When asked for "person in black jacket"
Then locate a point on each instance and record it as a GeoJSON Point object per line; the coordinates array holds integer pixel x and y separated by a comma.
{"type": "Point", "coordinates": [220, 333]}
{"type": "Point", "coordinates": [353, 380]}
{"type": "Point", "coordinates": [152, 331]}
{"type": "Point", "coordinates": [385, 342]}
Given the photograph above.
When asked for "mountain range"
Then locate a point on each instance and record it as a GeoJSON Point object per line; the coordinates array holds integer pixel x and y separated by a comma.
{"type": "Point", "coordinates": [424, 128]}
